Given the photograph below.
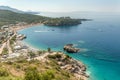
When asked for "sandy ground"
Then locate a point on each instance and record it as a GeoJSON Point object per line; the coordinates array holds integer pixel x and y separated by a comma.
{"type": "Point", "coordinates": [9, 47]}
{"type": "Point", "coordinates": [2, 47]}
{"type": "Point", "coordinates": [42, 57]}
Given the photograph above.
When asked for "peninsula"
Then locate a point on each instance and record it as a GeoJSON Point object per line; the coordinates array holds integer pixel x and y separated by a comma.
{"type": "Point", "coordinates": [12, 18]}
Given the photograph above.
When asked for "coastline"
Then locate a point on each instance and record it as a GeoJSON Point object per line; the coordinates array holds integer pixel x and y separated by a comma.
{"type": "Point", "coordinates": [17, 28]}
{"type": "Point", "coordinates": [83, 76]}
{"type": "Point", "coordinates": [30, 47]}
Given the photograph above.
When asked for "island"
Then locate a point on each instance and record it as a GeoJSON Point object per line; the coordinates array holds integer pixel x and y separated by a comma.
{"type": "Point", "coordinates": [70, 48]}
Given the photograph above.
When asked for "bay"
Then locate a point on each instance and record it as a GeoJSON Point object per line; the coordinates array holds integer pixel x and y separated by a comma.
{"type": "Point", "coordinates": [98, 39]}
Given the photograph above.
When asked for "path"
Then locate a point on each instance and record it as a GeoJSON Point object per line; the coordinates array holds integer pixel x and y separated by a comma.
{"type": "Point", "coordinates": [9, 47]}
{"type": "Point", "coordinates": [7, 43]}
{"type": "Point", "coordinates": [2, 47]}
{"type": "Point", "coordinates": [42, 57]}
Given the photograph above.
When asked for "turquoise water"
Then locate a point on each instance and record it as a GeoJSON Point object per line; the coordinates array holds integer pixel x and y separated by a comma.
{"type": "Point", "coordinates": [99, 41]}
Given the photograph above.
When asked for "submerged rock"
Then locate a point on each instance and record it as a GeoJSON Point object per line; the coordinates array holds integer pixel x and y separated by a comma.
{"type": "Point", "coordinates": [70, 49]}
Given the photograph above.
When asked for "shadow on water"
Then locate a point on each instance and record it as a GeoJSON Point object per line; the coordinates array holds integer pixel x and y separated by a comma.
{"type": "Point", "coordinates": [63, 28]}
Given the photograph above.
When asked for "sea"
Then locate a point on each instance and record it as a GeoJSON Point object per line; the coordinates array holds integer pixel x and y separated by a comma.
{"type": "Point", "coordinates": [98, 40]}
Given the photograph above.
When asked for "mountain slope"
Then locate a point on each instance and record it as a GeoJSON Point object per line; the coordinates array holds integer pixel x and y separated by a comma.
{"type": "Point", "coordinates": [16, 10]}
{"type": "Point", "coordinates": [10, 9]}
{"type": "Point", "coordinates": [9, 17]}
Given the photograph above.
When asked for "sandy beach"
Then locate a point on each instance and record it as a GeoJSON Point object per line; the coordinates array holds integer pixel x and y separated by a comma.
{"type": "Point", "coordinates": [17, 28]}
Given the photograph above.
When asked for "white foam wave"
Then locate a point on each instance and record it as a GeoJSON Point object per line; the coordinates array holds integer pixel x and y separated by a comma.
{"type": "Point", "coordinates": [41, 31]}
{"type": "Point", "coordinates": [75, 45]}
{"type": "Point", "coordinates": [81, 41]}
{"type": "Point", "coordinates": [84, 49]}
{"type": "Point", "coordinates": [88, 72]}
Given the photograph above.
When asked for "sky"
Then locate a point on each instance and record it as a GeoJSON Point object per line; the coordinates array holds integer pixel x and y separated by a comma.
{"type": "Point", "coordinates": [64, 5]}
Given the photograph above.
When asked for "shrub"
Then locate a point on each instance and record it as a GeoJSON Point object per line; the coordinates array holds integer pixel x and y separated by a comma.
{"type": "Point", "coordinates": [32, 55]}
{"type": "Point", "coordinates": [55, 56]}
{"type": "Point", "coordinates": [40, 52]}
{"type": "Point", "coordinates": [9, 62]}
{"type": "Point", "coordinates": [51, 56]}
{"type": "Point", "coordinates": [68, 57]}
{"type": "Point", "coordinates": [3, 72]}
{"type": "Point", "coordinates": [58, 55]}
{"type": "Point", "coordinates": [48, 75]}
{"type": "Point", "coordinates": [5, 51]}
{"type": "Point", "coordinates": [32, 74]}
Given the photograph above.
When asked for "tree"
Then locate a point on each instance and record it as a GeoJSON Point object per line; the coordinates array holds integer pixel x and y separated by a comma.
{"type": "Point", "coordinates": [32, 55]}
{"type": "Point", "coordinates": [49, 49]}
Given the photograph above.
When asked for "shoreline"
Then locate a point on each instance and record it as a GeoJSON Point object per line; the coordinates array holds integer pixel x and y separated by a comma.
{"type": "Point", "coordinates": [32, 48]}
{"type": "Point", "coordinates": [22, 43]}
{"type": "Point", "coordinates": [17, 28]}
{"type": "Point", "coordinates": [83, 76]}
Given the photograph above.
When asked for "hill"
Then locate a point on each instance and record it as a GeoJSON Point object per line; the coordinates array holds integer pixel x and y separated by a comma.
{"type": "Point", "coordinates": [16, 10]}
{"type": "Point", "coordinates": [9, 17]}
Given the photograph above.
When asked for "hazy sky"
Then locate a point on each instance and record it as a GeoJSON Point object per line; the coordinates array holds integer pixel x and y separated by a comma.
{"type": "Point", "coordinates": [64, 5]}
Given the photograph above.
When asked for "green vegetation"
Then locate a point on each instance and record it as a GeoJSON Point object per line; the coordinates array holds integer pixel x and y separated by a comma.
{"type": "Point", "coordinates": [5, 51]}
{"type": "Point", "coordinates": [32, 55]}
{"type": "Point", "coordinates": [49, 49]}
{"type": "Point", "coordinates": [32, 74]}
{"type": "Point", "coordinates": [20, 68]}
{"type": "Point", "coordinates": [9, 17]}
{"type": "Point", "coordinates": [54, 56]}
{"type": "Point", "coordinates": [40, 52]}
{"type": "Point", "coordinates": [48, 75]}
{"type": "Point", "coordinates": [63, 21]}
{"type": "Point", "coordinates": [33, 70]}
{"type": "Point", "coordinates": [3, 72]}
{"type": "Point", "coordinates": [12, 40]}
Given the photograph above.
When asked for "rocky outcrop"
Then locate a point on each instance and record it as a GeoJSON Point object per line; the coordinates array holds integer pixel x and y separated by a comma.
{"type": "Point", "coordinates": [21, 37]}
{"type": "Point", "coordinates": [70, 49]}
{"type": "Point", "coordinates": [69, 64]}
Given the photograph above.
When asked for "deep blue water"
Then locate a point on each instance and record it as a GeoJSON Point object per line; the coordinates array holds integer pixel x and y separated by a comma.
{"type": "Point", "coordinates": [99, 41]}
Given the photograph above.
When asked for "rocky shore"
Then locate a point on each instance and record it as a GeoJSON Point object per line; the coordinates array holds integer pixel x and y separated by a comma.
{"type": "Point", "coordinates": [69, 64]}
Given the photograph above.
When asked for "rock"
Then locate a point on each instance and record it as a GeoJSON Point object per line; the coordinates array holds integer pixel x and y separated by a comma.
{"type": "Point", "coordinates": [73, 66]}
{"type": "Point", "coordinates": [83, 68]}
{"type": "Point", "coordinates": [70, 49]}
{"type": "Point", "coordinates": [21, 36]}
